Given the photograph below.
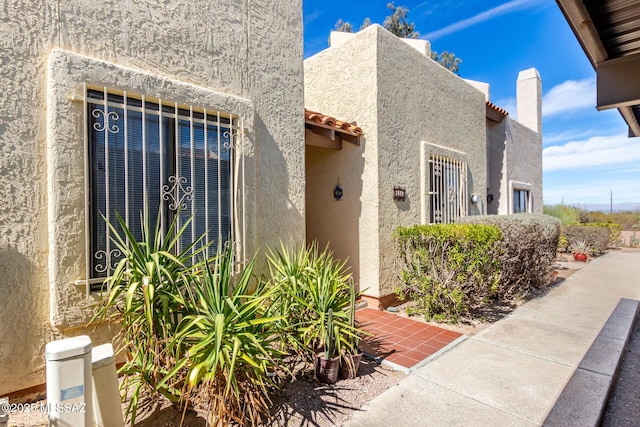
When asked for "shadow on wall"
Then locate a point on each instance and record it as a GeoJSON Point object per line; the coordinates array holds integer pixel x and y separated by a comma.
{"type": "Point", "coordinates": [403, 205]}
{"type": "Point", "coordinates": [336, 222]}
{"type": "Point", "coordinates": [23, 319]}
{"type": "Point", "coordinates": [271, 211]}
{"type": "Point", "coordinates": [497, 137]}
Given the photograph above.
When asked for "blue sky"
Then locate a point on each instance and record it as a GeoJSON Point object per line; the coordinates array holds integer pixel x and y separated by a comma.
{"type": "Point", "coordinates": [586, 153]}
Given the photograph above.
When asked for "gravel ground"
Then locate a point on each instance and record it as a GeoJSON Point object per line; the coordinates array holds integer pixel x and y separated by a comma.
{"type": "Point", "coordinates": [304, 402]}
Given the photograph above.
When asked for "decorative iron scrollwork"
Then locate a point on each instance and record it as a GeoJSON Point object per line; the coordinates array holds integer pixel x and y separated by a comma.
{"type": "Point", "coordinates": [177, 192]}
{"type": "Point", "coordinates": [106, 121]}
{"type": "Point", "coordinates": [106, 262]}
{"type": "Point", "coordinates": [232, 139]}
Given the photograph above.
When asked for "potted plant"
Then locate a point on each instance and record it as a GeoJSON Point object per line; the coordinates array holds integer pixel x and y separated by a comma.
{"type": "Point", "coordinates": [328, 361]}
{"type": "Point", "coordinates": [313, 297]}
{"type": "Point", "coordinates": [580, 249]}
{"type": "Point", "coordinates": [352, 355]}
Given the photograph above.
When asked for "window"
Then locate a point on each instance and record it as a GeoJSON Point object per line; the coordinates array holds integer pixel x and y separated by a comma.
{"type": "Point", "coordinates": [159, 159]}
{"type": "Point", "coordinates": [520, 201]}
{"type": "Point", "coordinates": [447, 189]}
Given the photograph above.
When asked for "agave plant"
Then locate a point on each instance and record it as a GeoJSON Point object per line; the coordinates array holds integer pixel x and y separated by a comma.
{"type": "Point", "coordinates": [229, 344]}
{"type": "Point", "coordinates": [146, 295]}
{"type": "Point", "coordinates": [581, 247]}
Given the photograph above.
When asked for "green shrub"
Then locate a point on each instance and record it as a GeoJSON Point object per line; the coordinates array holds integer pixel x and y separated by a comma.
{"type": "Point", "coordinates": [448, 268]}
{"type": "Point", "coordinates": [563, 243]}
{"type": "Point", "coordinates": [566, 214]}
{"type": "Point", "coordinates": [530, 242]}
{"type": "Point", "coordinates": [596, 237]}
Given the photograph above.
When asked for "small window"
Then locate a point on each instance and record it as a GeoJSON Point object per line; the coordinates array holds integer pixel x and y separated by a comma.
{"type": "Point", "coordinates": [520, 201]}
{"type": "Point", "coordinates": [447, 189]}
{"type": "Point", "coordinates": [161, 159]}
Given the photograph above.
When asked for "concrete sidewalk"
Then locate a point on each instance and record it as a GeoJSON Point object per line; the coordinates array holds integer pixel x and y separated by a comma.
{"type": "Point", "coordinates": [512, 372]}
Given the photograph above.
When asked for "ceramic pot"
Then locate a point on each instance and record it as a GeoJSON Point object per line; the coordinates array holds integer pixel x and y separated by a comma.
{"type": "Point", "coordinates": [580, 257]}
{"type": "Point", "coordinates": [327, 369]}
{"type": "Point", "coordinates": [349, 366]}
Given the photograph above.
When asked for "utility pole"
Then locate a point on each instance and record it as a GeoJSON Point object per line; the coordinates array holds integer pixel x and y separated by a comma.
{"type": "Point", "coordinates": [611, 203]}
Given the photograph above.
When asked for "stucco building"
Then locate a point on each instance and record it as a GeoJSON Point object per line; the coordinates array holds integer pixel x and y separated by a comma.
{"type": "Point", "coordinates": [126, 106]}
{"type": "Point", "coordinates": [433, 149]}
{"type": "Point", "coordinates": [196, 108]}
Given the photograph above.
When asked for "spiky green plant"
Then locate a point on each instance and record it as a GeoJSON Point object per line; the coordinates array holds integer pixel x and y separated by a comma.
{"type": "Point", "coordinates": [229, 344]}
{"type": "Point", "coordinates": [310, 284]}
{"type": "Point", "coordinates": [146, 295]}
{"type": "Point", "coordinates": [581, 247]}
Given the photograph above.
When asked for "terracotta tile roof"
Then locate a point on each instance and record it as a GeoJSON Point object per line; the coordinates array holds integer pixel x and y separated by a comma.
{"type": "Point", "coordinates": [497, 109]}
{"type": "Point", "coordinates": [332, 123]}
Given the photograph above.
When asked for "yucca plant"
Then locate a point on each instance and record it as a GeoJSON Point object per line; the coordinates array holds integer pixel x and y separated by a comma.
{"type": "Point", "coordinates": [351, 357]}
{"type": "Point", "coordinates": [229, 344]}
{"type": "Point", "coordinates": [146, 295]}
{"type": "Point", "coordinates": [310, 283]}
{"type": "Point", "coordinates": [289, 271]}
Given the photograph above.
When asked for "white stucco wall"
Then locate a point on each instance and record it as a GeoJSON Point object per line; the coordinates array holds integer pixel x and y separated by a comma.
{"type": "Point", "coordinates": [416, 103]}
{"type": "Point", "coordinates": [235, 55]}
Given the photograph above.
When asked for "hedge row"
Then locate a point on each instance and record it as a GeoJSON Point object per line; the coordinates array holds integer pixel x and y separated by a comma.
{"type": "Point", "coordinates": [450, 269]}
{"type": "Point", "coordinates": [530, 244]}
{"type": "Point", "coordinates": [598, 235]}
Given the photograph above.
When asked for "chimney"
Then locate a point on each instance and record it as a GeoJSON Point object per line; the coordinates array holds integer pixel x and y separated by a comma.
{"type": "Point", "coordinates": [529, 99]}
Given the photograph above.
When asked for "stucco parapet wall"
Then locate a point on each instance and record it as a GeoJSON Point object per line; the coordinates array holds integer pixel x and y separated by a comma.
{"type": "Point", "coordinates": [338, 38]}
{"type": "Point", "coordinates": [67, 75]}
{"type": "Point", "coordinates": [482, 87]}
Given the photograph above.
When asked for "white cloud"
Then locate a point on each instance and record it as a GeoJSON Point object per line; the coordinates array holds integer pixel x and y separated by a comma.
{"type": "Point", "coordinates": [566, 136]}
{"type": "Point", "coordinates": [569, 96]}
{"type": "Point", "coordinates": [481, 17]}
{"type": "Point", "coordinates": [312, 16]}
{"type": "Point", "coordinates": [595, 152]}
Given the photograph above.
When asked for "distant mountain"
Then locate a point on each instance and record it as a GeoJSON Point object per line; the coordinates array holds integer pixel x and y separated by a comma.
{"type": "Point", "coordinates": [605, 207]}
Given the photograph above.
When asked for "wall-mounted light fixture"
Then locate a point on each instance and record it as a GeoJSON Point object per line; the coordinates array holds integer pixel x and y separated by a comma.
{"type": "Point", "coordinates": [337, 191]}
{"type": "Point", "coordinates": [399, 193]}
{"type": "Point", "coordinates": [489, 198]}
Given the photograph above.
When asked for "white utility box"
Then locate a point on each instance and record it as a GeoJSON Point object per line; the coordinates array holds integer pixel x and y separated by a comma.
{"type": "Point", "coordinates": [107, 410]}
{"type": "Point", "coordinates": [69, 385]}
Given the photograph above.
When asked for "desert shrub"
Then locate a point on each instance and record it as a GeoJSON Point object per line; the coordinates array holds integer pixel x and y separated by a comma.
{"type": "Point", "coordinates": [595, 236]}
{"type": "Point", "coordinates": [615, 231]}
{"type": "Point", "coordinates": [448, 268]}
{"type": "Point", "coordinates": [192, 331]}
{"type": "Point", "coordinates": [566, 214]}
{"type": "Point", "coordinates": [563, 243]}
{"type": "Point", "coordinates": [529, 246]}
{"type": "Point", "coordinates": [229, 344]}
